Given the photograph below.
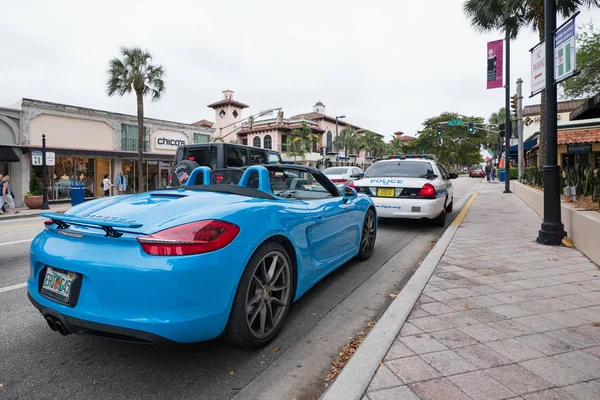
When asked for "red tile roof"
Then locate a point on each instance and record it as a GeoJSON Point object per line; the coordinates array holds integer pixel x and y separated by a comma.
{"type": "Point", "coordinates": [222, 103]}
{"type": "Point", "coordinates": [579, 136]}
{"type": "Point", "coordinates": [562, 106]}
{"type": "Point", "coordinates": [281, 127]}
{"type": "Point", "coordinates": [203, 122]}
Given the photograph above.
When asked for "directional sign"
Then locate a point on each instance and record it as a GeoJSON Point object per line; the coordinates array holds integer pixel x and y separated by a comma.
{"type": "Point", "coordinates": [36, 158]}
{"type": "Point", "coordinates": [455, 122]}
{"type": "Point", "coordinates": [50, 158]}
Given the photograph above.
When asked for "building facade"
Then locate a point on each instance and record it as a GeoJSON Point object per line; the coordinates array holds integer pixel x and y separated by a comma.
{"type": "Point", "coordinates": [89, 144]}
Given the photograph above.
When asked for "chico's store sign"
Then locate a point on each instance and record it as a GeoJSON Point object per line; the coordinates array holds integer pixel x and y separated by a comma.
{"type": "Point", "coordinates": [170, 141]}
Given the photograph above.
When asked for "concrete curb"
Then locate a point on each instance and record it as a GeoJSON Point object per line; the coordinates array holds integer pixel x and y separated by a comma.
{"type": "Point", "coordinates": [33, 215]}
{"type": "Point", "coordinates": [353, 381]}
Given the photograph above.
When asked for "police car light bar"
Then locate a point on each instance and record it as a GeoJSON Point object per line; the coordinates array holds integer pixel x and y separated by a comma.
{"type": "Point", "coordinates": [405, 156]}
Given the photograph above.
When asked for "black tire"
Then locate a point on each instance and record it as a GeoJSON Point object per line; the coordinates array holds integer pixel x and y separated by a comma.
{"type": "Point", "coordinates": [440, 220]}
{"type": "Point", "coordinates": [239, 330]}
{"type": "Point", "coordinates": [181, 172]}
{"type": "Point", "coordinates": [450, 206]}
{"type": "Point", "coordinates": [368, 236]}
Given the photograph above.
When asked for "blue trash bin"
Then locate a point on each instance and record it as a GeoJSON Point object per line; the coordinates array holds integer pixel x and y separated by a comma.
{"type": "Point", "coordinates": [77, 192]}
{"type": "Point", "coordinates": [502, 175]}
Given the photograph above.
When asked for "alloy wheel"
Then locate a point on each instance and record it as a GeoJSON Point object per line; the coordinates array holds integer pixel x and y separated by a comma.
{"type": "Point", "coordinates": [367, 242]}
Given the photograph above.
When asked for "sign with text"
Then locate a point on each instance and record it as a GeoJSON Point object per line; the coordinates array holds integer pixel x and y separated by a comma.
{"type": "Point", "coordinates": [170, 140]}
{"type": "Point", "coordinates": [455, 122]}
{"type": "Point", "coordinates": [579, 148]}
{"type": "Point", "coordinates": [50, 158]}
{"type": "Point", "coordinates": [495, 57]}
{"type": "Point", "coordinates": [564, 52]}
{"type": "Point", "coordinates": [36, 158]}
{"type": "Point", "coordinates": [538, 68]}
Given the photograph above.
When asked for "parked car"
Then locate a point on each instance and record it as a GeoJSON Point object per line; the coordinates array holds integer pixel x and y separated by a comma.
{"type": "Point", "coordinates": [476, 173]}
{"type": "Point", "coordinates": [409, 187]}
{"type": "Point", "coordinates": [342, 176]}
{"type": "Point", "coordinates": [189, 264]}
{"type": "Point", "coordinates": [218, 155]}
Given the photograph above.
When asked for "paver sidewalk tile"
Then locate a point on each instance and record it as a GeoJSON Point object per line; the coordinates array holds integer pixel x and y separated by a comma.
{"type": "Point", "coordinates": [518, 379]}
{"type": "Point", "coordinates": [565, 318]}
{"type": "Point", "coordinates": [482, 356]}
{"type": "Point", "coordinates": [409, 329]}
{"type": "Point", "coordinates": [512, 310]}
{"type": "Point", "coordinates": [582, 362]}
{"type": "Point", "coordinates": [445, 284]}
{"type": "Point", "coordinates": [453, 338]}
{"type": "Point", "coordinates": [436, 308]}
{"type": "Point", "coordinates": [575, 338]}
{"type": "Point", "coordinates": [484, 289]}
{"type": "Point", "coordinates": [480, 386]}
{"type": "Point", "coordinates": [383, 379]}
{"type": "Point", "coordinates": [538, 324]}
{"type": "Point", "coordinates": [514, 350]}
{"type": "Point", "coordinates": [430, 324]}
{"type": "Point", "coordinates": [595, 351]}
{"type": "Point", "coordinates": [548, 305]}
{"type": "Point", "coordinates": [506, 297]}
{"type": "Point", "coordinates": [591, 314]}
{"type": "Point", "coordinates": [584, 391]}
{"type": "Point", "coordinates": [438, 389]}
{"type": "Point", "coordinates": [483, 333]}
{"type": "Point", "coordinates": [422, 343]}
{"type": "Point", "coordinates": [578, 300]}
{"type": "Point", "coordinates": [463, 292]}
{"type": "Point", "coordinates": [412, 369]}
{"type": "Point", "coordinates": [484, 315]}
{"type": "Point", "coordinates": [418, 312]}
{"type": "Point", "coordinates": [552, 394]}
{"type": "Point", "coordinates": [398, 350]}
{"type": "Point", "coordinates": [461, 304]}
{"type": "Point", "coordinates": [554, 372]}
{"type": "Point", "coordinates": [397, 393]}
{"type": "Point", "coordinates": [458, 319]}
{"type": "Point", "coordinates": [448, 362]}
{"type": "Point", "coordinates": [545, 344]}
{"type": "Point", "coordinates": [510, 327]}
{"type": "Point", "coordinates": [442, 295]}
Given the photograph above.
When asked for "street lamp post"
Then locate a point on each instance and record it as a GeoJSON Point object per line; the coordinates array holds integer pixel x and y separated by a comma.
{"type": "Point", "coordinates": [45, 205]}
{"type": "Point", "coordinates": [507, 123]}
{"type": "Point", "coordinates": [337, 143]}
{"type": "Point", "coordinates": [552, 231]}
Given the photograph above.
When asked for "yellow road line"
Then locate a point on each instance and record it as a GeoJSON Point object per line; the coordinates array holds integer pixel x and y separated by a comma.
{"type": "Point", "coordinates": [459, 218]}
{"type": "Point", "coordinates": [3, 228]}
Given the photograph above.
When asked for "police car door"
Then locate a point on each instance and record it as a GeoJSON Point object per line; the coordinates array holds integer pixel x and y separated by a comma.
{"type": "Point", "coordinates": [446, 182]}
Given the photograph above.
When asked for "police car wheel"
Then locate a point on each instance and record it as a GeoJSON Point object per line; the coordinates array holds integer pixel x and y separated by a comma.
{"type": "Point", "coordinates": [450, 206]}
{"type": "Point", "coordinates": [440, 220]}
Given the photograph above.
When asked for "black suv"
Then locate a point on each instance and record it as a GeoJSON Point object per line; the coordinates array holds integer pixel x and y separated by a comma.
{"type": "Point", "coordinates": [218, 155]}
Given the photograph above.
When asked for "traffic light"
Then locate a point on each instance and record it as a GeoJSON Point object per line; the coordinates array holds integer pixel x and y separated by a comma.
{"type": "Point", "coordinates": [439, 130]}
{"type": "Point", "coordinates": [323, 151]}
{"type": "Point", "coordinates": [502, 129]}
{"type": "Point", "coordinates": [513, 105]}
{"type": "Point", "coordinates": [471, 127]}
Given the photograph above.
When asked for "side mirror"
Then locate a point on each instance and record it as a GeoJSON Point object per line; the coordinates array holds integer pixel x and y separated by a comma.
{"type": "Point", "coordinates": [453, 176]}
{"type": "Point", "coordinates": [348, 194]}
{"type": "Point", "coordinates": [357, 176]}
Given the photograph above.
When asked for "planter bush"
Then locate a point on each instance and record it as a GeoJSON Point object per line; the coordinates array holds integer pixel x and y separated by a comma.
{"type": "Point", "coordinates": [33, 199]}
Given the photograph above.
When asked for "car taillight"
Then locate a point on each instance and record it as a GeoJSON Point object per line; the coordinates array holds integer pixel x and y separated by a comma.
{"type": "Point", "coordinates": [338, 180]}
{"type": "Point", "coordinates": [170, 179]}
{"type": "Point", "coordinates": [191, 158]}
{"type": "Point", "coordinates": [48, 222]}
{"type": "Point", "coordinates": [193, 238]}
{"type": "Point", "coordinates": [219, 178]}
{"type": "Point", "coordinates": [427, 192]}
{"type": "Point", "coordinates": [351, 184]}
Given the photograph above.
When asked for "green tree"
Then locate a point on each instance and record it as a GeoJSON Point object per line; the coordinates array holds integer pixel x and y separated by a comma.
{"type": "Point", "coordinates": [373, 143]}
{"type": "Point", "coordinates": [35, 185]}
{"type": "Point", "coordinates": [512, 16]}
{"type": "Point", "coordinates": [300, 141]}
{"type": "Point", "coordinates": [587, 83]}
{"type": "Point", "coordinates": [134, 72]}
{"type": "Point", "coordinates": [347, 139]}
{"type": "Point", "coordinates": [456, 146]}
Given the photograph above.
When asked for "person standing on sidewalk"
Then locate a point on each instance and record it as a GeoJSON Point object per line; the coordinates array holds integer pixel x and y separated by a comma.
{"type": "Point", "coordinates": [493, 173]}
{"type": "Point", "coordinates": [121, 183]}
{"type": "Point", "coordinates": [106, 185]}
{"type": "Point", "coordinates": [488, 171]}
{"type": "Point", "coordinates": [6, 192]}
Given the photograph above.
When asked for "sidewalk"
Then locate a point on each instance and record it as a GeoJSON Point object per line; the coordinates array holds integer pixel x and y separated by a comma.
{"type": "Point", "coordinates": [502, 317]}
{"type": "Point", "coordinates": [25, 212]}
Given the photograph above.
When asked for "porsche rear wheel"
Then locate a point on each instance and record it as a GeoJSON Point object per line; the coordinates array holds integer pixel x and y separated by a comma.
{"type": "Point", "coordinates": [262, 299]}
{"type": "Point", "coordinates": [368, 236]}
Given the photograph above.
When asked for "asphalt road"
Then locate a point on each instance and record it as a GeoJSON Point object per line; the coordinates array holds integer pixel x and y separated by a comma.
{"type": "Point", "coordinates": [36, 363]}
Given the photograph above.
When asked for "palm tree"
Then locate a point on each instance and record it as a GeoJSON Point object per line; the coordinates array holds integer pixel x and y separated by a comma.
{"type": "Point", "coordinates": [135, 72]}
{"type": "Point", "coordinates": [301, 141]}
{"type": "Point", "coordinates": [347, 138]}
{"type": "Point", "coordinates": [511, 16]}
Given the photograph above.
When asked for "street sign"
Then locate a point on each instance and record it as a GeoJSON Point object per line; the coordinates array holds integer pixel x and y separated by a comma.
{"type": "Point", "coordinates": [50, 158]}
{"type": "Point", "coordinates": [538, 68]}
{"type": "Point", "coordinates": [564, 52]}
{"type": "Point", "coordinates": [36, 158]}
{"type": "Point", "coordinates": [455, 122]}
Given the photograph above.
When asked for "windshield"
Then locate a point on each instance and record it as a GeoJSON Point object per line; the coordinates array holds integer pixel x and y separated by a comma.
{"type": "Point", "coordinates": [335, 171]}
{"type": "Point", "coordinates": [402, 169]}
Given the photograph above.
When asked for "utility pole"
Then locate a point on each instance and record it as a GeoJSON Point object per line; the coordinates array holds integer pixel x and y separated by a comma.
{"type": "Point", "coordinates": [507, 118]}
{"type": "Point", "coordinates": [520, 125]}
{"type": "Point", "coordinates": [45, 205]}
{"type": "Point", "coordinates": [552, 231]}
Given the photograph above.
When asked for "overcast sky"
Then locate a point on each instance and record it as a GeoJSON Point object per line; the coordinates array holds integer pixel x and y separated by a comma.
{"type": "Point", "coordinates": [386, 65]}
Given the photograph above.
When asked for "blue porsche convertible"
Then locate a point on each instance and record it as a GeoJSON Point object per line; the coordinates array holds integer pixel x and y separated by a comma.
{"type": "Point", "coordinates": [225, 254]}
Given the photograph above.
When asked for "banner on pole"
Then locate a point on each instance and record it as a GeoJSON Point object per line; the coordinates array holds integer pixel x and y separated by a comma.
{"type": "Point", "coordinates": [564, 52]}
{"type": "Point", "coordinates": [495, 58]}
{"type": "Point", "coordinates": [538, 68]}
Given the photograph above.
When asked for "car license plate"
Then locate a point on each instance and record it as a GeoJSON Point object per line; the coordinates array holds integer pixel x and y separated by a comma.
{"type": "Point", "coordinates": [58, 284]}
{"type": "Point", "coordinates": [385, 192]}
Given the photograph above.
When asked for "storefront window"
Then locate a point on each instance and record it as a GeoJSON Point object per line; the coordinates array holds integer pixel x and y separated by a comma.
{"type": "Point", "coordinates": [129, 138]}
{"type": "Point", "coordinates": [153, 177]}
{"type": "Point", "coordinates": [200, 138]}
{"type": "Point", "coordinates": [129, 172]}
{"type": "Point", "coordinates": [62, 175]}
{"type": "Point", "coordinates": [84, 169]}
{"type": "Point", "coordinates": [597, 160]}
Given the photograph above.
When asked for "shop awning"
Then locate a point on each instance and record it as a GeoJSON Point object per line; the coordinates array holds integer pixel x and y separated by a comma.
{"type": "Point", "coordinates": [527, 145]}
{"type": "Point", "coordinates": [7, 154]}
{"type": "Point", "coordinates": [102, 153]}
{"type": "Point", "coordinates": [590, 108]}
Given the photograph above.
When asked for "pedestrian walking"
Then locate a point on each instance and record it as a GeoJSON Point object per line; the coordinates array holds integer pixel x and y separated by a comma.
{"type": "Point", "coordinates": [488, 171]}
{"type": "Point", "coordinates": [6, 195]}
{"type": "Point", "coordinates": [493, 173]}
{"type": "Point", "coordinates": [121, 183]}
{"type": "Point", "coordinates": [106, 185]}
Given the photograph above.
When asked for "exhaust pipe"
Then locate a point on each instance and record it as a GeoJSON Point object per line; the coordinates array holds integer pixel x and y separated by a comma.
{"type": "Point", "coordinates": [51, 323]}
{"type": "Point", "coordinates": [61, 329]}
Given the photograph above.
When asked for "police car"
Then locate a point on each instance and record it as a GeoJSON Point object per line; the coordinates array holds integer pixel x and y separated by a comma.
{"type": "Point", "coordinates": [409, 186]}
